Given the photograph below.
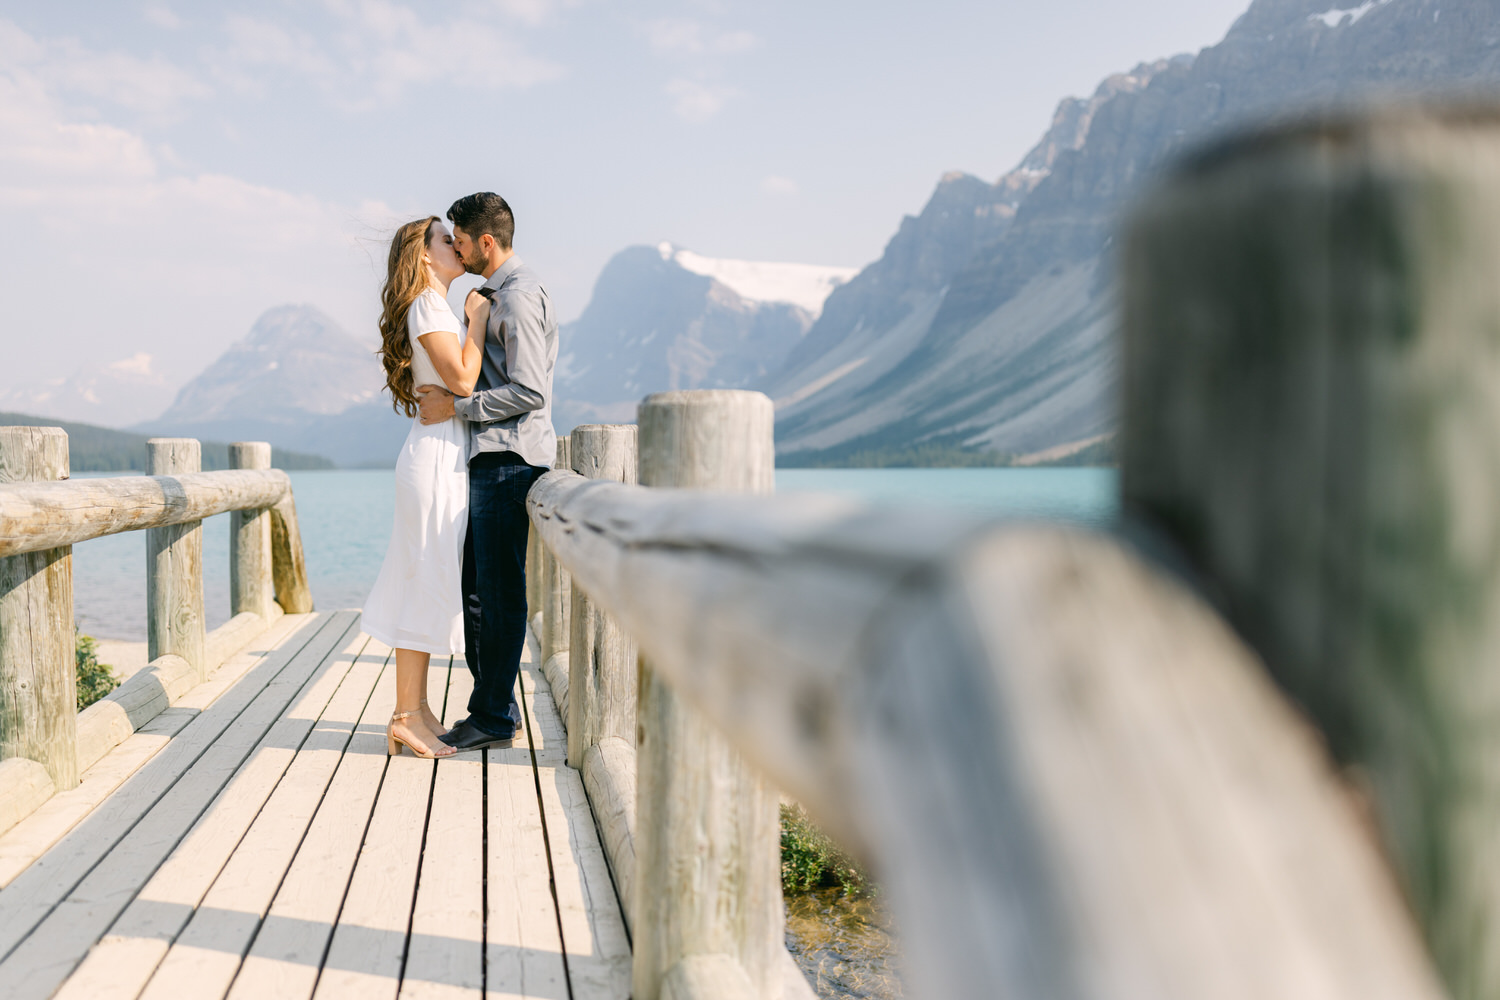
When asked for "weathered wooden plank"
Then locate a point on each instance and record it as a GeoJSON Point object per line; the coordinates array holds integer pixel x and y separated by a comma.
{"type": "Point", "coordinates": [108, 722]}
{"type": "Point", "coordinates": [696, 796]}
{"type": "Point", "coordinates": [445, 960]}
{"type": "Point", "coordinates": [369, 943]}
{"type": "Point", "coordinates": [609, 779]}
{"type": "Point", "coordinates": [44, 828]}
{"type": "Point", "coordinates": [37, 694]}
{"type": "Point", "coordinates": [593, 929]}
{"type": "Point", "coordinates": [251, 588]}
{"type": "Point", "coordinates": [65, 901]}
{"type": "Point", "coordinates": [206, 955]}
{"type": "Point", "coordinates": [544, 730]}
{"type": "Point", "coordinates": [39, 516]}
{"type": "Point", "coordinates": [226, 640]}
{"type": "Point", "coordinates": [174, 567]}
{"type": "Point", "coordinates": [50, 822]}
{"type": "Point", "coordinates": [176, 895]}
{"type": "Point", "coordinates": [286, 956]}
{"type": "Point", "coordinates": [24, 786]}
{"type": "Point", "coordinates": [523, 953]}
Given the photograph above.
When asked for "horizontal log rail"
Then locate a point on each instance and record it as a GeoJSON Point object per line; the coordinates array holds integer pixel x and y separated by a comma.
{"type": "Point", "coordinates": [46, 743]}
{"type": "Point", "coordinates": [1067, 772]}
{"type": "Point", "coordinates": [35, 517]}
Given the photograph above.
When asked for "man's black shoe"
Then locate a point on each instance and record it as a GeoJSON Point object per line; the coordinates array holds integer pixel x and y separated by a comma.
{"type": "Point", "coordinates": [515, 718]}
{"type": "Point", "coordinates": [467, 736]}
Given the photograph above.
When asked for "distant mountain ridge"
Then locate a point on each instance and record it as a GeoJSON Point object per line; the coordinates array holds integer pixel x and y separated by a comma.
{"type": "Point", "coordinates": [988, 323]}
{"type": "Point", "coordinates": [118, 392]}
{"type": "Point", "coordinates": [663, 318]}
{"type": "Point", "coordinates": [103, 449]}
{"type": "Point", "coordinates": [298, 380]}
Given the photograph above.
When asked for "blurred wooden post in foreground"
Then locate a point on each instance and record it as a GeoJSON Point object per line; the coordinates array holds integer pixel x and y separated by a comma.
{"type": "Point", "coordinates": [696, 796]}
{"type": "Point", "coordinates": [174, 566]}
{"type": "Point", "coordinates": [38, 696]}
{"type": "Point", "coordinates": [601, 656]}
{"type": "Point", "coordinates": [1312, 412]}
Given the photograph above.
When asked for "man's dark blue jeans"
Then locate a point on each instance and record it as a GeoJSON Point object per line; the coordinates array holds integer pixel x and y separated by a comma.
{"type": "Point", "coordinates": [494, 582]}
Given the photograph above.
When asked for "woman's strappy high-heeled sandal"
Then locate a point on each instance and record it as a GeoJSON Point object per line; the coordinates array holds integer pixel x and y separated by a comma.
{"type": "Point", "coordinates": [423, 704]}
{"type": "Point", "coordinates": [394, 743]}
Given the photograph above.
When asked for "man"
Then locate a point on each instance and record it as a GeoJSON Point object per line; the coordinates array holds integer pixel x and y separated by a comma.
{"type": "Point", "coordinates": [511, 444]}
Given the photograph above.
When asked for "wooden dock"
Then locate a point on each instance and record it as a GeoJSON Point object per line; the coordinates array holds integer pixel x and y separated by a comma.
{"type": "Point", "coordinates": [256, 841]}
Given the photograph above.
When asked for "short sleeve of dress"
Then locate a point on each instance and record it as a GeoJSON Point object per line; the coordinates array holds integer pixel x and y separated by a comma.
{"type": "Point", "coordinates": [429, 313]}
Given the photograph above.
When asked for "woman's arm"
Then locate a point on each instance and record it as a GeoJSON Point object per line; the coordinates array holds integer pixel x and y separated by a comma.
{"type": "Point", "coordinates": [459, 365]}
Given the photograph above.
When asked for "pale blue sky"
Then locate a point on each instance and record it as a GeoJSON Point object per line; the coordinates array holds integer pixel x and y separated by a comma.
{"type": "Point", "coordinates": [168, 171]}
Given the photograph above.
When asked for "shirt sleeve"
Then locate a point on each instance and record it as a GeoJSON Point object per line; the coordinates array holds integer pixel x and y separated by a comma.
{"type": "Point", "coordinates": [430, 314]}
{"type": "Point", "coordinates": [522, 328]}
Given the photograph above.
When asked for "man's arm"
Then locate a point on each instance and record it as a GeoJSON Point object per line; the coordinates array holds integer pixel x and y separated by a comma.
{"type": "Point", "coordinates": [525, 324]}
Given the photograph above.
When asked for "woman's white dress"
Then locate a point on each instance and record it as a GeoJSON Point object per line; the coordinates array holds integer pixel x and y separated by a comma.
{"type": "Point", "coordinates": [417, 600]}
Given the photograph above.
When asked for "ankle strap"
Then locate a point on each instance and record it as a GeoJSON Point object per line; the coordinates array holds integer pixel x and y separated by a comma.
{"type": "Point", "coordinates": [402, 715]}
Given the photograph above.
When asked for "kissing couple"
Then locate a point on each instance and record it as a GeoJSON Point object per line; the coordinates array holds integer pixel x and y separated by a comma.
{"type": "Point", "coordinates": [480, 395]}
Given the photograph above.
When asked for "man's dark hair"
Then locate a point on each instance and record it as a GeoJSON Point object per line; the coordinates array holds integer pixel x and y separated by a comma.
{"type": "Point", "coordinates": [485, 212]}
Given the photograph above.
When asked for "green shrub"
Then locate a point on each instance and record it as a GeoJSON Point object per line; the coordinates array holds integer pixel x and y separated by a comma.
{"type": "Point", "coordinates": [94, 678]}
{"type": "Point", "coordinates": [810, 860]}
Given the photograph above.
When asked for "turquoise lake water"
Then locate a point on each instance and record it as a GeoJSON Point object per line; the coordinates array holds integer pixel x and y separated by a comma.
{"type": "Point", "coordinates": [345, 518]}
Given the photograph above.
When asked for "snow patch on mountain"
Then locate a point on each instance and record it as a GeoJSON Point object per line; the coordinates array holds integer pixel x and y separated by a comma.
{"type": "Point", "coordinates": [1334, 18]}
{"type": "Point", "coordinates": [112, 394]}
{"type": "Point", "coordinates": [806, 286]}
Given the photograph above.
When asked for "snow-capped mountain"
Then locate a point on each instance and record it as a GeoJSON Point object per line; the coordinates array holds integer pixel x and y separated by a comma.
{"type": "Point", "coordinates": [295, 360]}
{"type": "Point", "coordinates": [111, 394]}
{"type": "Point", "coordinates": [663, 318]}
{"type": "Point", "coordinates": [989, 322]}
{"type": "Point", "coordinates": [299, 381]}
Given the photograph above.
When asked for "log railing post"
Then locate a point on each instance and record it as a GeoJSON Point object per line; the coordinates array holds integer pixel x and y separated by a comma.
{"type": "Point", "coordinates": [38, 695]}
{"type": "Point", "coordinates": [696, 797]}
{"type": "Point", "coordinates": [250, 582]}
{"type": "Point", "coordinates": [556, 604]}
{"type": "Point", "coordinates": [601, 656]}
{"type": "Point", "coordinates": [174, 566]}
{"type": "Point", "coordinates": [1311, 414]}
{"type": "Point", "coordinates": [288, 565]}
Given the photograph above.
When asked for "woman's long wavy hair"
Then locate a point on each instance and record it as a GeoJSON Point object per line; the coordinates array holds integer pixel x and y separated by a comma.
{"type": "Point", "coordinates": [406, 277]}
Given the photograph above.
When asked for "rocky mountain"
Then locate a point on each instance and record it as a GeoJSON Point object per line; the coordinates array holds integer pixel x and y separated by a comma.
{"type": "Point", "coordinates": [988, 323]}
{"type": "Point", "coordinates": [299, 381]}
{"type": "Point", "coordinates": [114, 392]}
{"type": "Point", "coordinates": [664, 318]}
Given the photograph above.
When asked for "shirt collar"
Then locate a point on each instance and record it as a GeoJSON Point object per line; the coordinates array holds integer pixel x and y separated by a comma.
{"type": "Point", "coordinates": [503, 271]}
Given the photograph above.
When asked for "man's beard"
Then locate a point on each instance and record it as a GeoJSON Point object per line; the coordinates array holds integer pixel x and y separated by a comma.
{"type": "Point", "coordinates": [472, 266]}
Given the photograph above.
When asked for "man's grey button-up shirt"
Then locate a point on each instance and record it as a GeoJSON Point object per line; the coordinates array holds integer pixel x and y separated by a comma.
{"type": "Point", "coordinates": [511, 407]}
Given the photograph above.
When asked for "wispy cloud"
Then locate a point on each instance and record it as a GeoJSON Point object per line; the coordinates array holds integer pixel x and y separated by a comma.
{"type": "Point", "coordinates": [695, 101]}
{"type": "Point", "coordinates": [679, 36]}
{"type": "Point", "coordinates": [379, 50]}
{"type": "Point", "coordinates": [783, 186]}
{"type": "Point", "coordinates": [162, 16]}
{"type": "Point", "coordinates": [221, 247]}
{"type": "Point", "coordinates": [698, 52]}
{"type": "Point", "coordinates": [151, 87]}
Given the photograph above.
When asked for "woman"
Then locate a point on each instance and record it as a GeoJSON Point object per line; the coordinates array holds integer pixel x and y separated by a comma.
{"type": "Point", "coordinates": [415, 606]}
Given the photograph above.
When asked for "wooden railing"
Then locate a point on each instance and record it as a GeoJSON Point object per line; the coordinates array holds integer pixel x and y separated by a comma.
{"type": "Point", "coordinates": [45, 742]}
{"type": "Point", "coordinates": [1064, 764]}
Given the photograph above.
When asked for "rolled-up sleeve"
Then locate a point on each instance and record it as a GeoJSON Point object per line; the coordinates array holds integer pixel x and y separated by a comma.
{"type": "Point", "coordinates": [519, 329]}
